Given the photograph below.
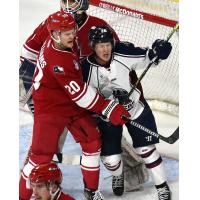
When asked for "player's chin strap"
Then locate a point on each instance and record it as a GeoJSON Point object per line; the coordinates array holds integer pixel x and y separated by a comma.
{"type": "Point", "coordinates": [56, 40]}
{"type": "Point", "coordinates": [54, 194]}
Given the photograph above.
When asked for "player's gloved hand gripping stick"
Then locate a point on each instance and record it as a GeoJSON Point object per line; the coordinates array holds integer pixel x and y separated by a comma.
{"type": "Point", "coordinates": [156, 54]}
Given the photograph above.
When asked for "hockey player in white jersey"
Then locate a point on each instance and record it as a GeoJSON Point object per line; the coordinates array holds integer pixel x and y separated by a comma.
{"type": "Point", "coordinates": [110, 69]}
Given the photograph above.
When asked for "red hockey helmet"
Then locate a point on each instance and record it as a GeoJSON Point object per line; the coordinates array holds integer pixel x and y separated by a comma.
{"type": "Point", "coordinates": [60, 21]}
{"type": "Point", "coordinates": [46, 173]}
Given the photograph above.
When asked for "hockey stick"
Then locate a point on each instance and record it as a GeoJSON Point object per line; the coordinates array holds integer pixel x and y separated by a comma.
{"type": "Point", "coordinates": [175, 136]}
{"type": "Point", "coordinates": [76, 159]}
{"type": "Point", "coordinates": [152, 61]}
{"type": "Point", "coordinates": [170, 140]}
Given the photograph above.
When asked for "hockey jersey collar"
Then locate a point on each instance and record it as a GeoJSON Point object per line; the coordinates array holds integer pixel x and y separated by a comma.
{"type": "Point", "coordinates": [91, 59]}
{"type": "Point", "coordinates": [67, 50]}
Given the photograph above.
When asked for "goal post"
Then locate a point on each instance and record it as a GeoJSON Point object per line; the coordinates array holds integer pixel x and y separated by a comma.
{"type": "Point", "coordinates": [142, 22]}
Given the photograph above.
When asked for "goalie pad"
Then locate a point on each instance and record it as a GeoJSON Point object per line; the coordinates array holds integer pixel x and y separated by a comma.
{"type": "Point", "coordinates": [135, 172]}
{"type": "Point", "coordinates": [26, 72]}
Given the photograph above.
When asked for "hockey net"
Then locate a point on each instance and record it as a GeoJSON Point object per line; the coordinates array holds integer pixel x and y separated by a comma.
{"type": "Point", "coordinates": [142, 22]}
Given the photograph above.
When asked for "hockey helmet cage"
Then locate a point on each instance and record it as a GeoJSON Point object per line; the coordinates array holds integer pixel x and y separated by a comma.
{"type": "Point", "coordinates": [72, 6]}
{"type": "Point", "coordinates": [60, 21]}
{"type": "Point", "coordinates": [47, 173]}
{"type": "Point", "coordinates": [100, 34]}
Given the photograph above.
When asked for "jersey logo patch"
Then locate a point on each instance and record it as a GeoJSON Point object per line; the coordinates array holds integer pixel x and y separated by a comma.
{"type": "Point", "coordinates": [58, 69]}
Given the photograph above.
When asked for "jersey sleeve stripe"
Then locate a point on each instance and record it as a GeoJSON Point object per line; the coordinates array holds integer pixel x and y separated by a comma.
{"type": "Point", "coordinates": [93, 102]}
{"type": "Point", "coordinates": [26, 53]}
{"type": "Point", "coordinates": [130, 56]}
{"type": "Point", "coordinates": [29, 49]}
{"type": "Point", "coordinates": [27, 169]}
{"type": "Point", "coordinates": [23, 58]}
{"type": "Point", "coordinates": [87, 99]}
{"type": "Point", "coordinates": [81, 94]}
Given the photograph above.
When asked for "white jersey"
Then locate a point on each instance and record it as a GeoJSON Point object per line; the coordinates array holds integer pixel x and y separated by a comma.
{"type": "Point", "coordinates": [119, 75]}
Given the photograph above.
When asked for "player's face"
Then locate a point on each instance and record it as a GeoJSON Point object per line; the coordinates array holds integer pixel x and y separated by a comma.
{"type": "Point", "coordinates": [40, 191]}
{"type": "Point", "coordinates": [67, 38]}
{"type": "Point", "coordinates": [71, 5]}
{"type": "Point", "coordinates": [103, 52]}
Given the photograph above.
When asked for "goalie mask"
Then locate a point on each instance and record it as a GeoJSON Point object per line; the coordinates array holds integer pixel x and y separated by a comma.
{"type": "Point", "coordinates": [100, 34]}
{"type": "Point", "coordinates": [72, 6]}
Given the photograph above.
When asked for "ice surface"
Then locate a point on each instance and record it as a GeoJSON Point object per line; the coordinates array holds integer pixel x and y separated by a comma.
{"type": "Point", "coordinates": [73, 183]}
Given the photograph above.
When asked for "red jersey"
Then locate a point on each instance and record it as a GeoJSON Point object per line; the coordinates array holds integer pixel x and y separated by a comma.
{"type": "Point", "coordinates": [83, 40]}
{"type": "Point", "coordinates": [35, 41]}
{"type": "Point", "coordinates": [58, 84]}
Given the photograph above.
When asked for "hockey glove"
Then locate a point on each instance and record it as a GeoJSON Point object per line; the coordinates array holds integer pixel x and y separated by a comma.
{"type": "Point", "coordinates": [122, 96]}
{"type": "Point", "coordinates": [161, 49]}
{"type": "Point", "coordinates": [114, 112]}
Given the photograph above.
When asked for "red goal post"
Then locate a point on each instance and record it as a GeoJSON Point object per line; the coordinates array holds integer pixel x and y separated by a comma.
{"type": "Point", "coordinates": [142, 22]}
{"type": "Point", "coordinates": [133, 12]}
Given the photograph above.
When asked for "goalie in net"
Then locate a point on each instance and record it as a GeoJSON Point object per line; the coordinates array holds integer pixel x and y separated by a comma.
{"type": "Point", "coordinates": [110, 70]}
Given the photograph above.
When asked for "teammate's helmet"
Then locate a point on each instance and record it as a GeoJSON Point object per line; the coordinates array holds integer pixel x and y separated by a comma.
{"type": "Point", "coordinates": [60, 21]}
{"type": "Point", "coordinates": [46, 173]}
{"type": "Point", "coordinates": [100, 34]}
{"type": "Point", "coordinates": [72, 6]}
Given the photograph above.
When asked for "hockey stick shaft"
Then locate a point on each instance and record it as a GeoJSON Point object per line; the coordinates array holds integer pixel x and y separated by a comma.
{"type": "Point", "coordinates": [76, 159]}
{"type": "Point", "coordinates": [170, 140]}
{"type": "Point", "coordinates": [151, 63]}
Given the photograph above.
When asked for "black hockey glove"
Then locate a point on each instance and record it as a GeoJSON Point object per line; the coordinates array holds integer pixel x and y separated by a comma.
{"type": "Point", "coordinates": [161, 49]}
{"type": "Point", "coordinates": [122, 96]}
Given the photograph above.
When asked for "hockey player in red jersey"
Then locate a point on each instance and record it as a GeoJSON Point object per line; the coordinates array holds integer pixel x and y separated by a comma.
{"type": "Point", "coordinates": [61, 99]}
{"type": "Point", "coordinates": [35, 41]}
{"type": "Point", "coordinates": [45, 181]}
{"type": "Point", "coordinates": [109, 70]}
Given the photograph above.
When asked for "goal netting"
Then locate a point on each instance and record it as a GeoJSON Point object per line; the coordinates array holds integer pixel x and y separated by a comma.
{"type": "Point", "coordinates": [142, 22]}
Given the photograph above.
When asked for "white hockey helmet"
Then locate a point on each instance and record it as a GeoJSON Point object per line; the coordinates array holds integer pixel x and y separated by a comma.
{"type": "Point", "coordinates": [72, 6]}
